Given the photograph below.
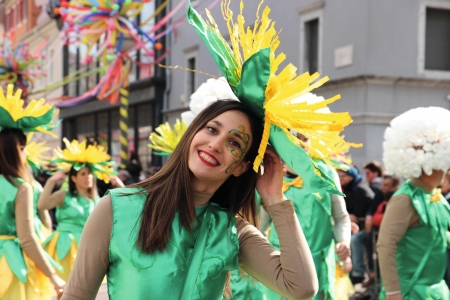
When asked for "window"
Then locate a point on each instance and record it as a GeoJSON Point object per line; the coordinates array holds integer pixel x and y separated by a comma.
{"type": "Point", "coordinates": [437, 39]}
{"type": "Point", "coordinates": [311, 27]}
{"type": "Point", "coordinates": [311, 46]}
{"type": "Point", "coordinates": [191, 76]}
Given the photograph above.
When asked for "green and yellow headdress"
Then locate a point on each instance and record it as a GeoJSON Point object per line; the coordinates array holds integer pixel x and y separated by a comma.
{"type": "Point", "coordinates": [165, 139]}
{"type": "Point", "coordinates": [79, 156]}
{"type": "Point", "coordinates": [251, 69]}
{"type": "Point", "coordinates": [36, 116]}
{"type": "Point", "coordinates": [36, 157]}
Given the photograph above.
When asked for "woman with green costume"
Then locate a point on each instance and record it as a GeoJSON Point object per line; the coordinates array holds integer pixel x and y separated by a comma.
{"type": "Point", "coordinates": [178, 234]}
{"type": "Point", "coordinates": [414, 233]}
{"type": "Point", "coordinates": [324, 219]}
{"type": "Point", "coordinates": [73, 206]}
{"type": "Point", "coordinates": [25, 272]}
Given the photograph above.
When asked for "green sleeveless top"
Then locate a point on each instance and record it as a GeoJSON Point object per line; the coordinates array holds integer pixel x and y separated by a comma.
{"type": "Point", "coordinates": [9, 243]}
{"type": "Point", "coordinates": [71, 217]}
{"type": "Point", "coordinates": [194, 264]}
{"type": "Point", "coordinates": [314, 215]}
{"type": "Point", "coordinates": [421, 253]}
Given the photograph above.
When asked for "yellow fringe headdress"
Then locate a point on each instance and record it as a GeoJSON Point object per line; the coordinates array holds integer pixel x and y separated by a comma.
{"type": "Point", "coordinates": [36, 116]}
{"type": "Point", "coordinates": [165, 139]}
{"type": "Point", "coordinates": [79, 155]}
{"type": "Point", "coordinates": [36, 157]}
{"type": "Point", "coordinates": [251, 69]}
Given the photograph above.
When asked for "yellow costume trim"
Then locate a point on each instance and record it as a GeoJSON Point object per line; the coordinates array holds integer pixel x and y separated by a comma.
{"type": "Point", "coordinates": [36, 150]}
{"type": "Point", "coordinates": [166, 139]}
{"type": "Point", "coordinates": [282, 87]}
{"type": "Point", "coordinates": [297, 182]}
{"type": "Point", "coordinates": [14, 106]}
{"type": "Point", "coordinates": [7, 237]}
{"type": "Point", "coordinates": [436, 196]}
{"type": "Point", "coordinates": [6, 277]}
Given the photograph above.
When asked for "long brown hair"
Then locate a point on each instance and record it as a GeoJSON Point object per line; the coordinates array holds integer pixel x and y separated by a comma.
{"type": "Point", "coordinates": [11, 164]}
{"type": "Point", "coordinates": [73, 187]}
{"type": "Point", "coordinates": [170, 189]}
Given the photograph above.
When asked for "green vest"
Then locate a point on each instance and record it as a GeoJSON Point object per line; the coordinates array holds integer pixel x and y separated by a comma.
{"type": "Point", "coordinates": [421, 253]}
{"type": "Point", "coordinates": [71, 217]}
{"type": "Point", "coordinates": [315, 217]}
{"type": "Point", "coordinates": [194, 265]}
{"type": "Point", "coordinates": [9, 243]}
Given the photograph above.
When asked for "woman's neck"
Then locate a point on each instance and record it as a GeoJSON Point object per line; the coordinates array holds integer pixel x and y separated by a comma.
{"type": "Point", "coordinates": [84, 193]}
{"type": "Point", "coordinates": [202, 198]}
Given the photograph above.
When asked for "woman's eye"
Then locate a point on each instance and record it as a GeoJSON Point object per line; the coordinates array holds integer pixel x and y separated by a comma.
{"type": "Point", "coordinates": [211, 129]}
{"type": "Point", "coordinates": [235, 144]}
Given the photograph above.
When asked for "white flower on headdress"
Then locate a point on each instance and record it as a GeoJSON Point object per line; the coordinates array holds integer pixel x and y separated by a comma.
{"type": "Point", "coordinates": [418, 141]}
{"type": "Point", "coordinates": [209, 92]}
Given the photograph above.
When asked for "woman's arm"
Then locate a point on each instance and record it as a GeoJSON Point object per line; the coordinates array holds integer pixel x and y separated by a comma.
{"type": "Point", "coordinates": [45, 218]}
{"type": "Point", "coordinates": [47, 200]}
{"type": "Point", "coordinates": [399, 216]}
{"type": "Point", "coordinates": [25, 232]}
{"type": "Point", "coordinates": [289, 272]}
{"type": "Point", "coordinates": [92, 259]}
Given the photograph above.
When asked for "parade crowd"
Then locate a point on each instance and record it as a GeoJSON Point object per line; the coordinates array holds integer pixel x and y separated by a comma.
{"type": "Point", "coordinates": [258, 197]}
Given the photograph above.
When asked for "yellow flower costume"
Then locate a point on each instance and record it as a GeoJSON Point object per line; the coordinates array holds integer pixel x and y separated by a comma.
{"type": "Point", "coordinates": [251, 66]}
{"type": "Point", "coordinates": [19, 276]}
{"type": "Point", "coordinates": [165, 139]}
{"type": "Point", "coordinates": [62, 244]}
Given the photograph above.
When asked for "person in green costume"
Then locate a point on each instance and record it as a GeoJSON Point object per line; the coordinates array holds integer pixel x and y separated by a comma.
{"type": "Point", "coordinates": [324, 218]}
{"type": "Point", "coordinates": [25, 272]}
{"type": "Point", "coordinates": [178, 234]}
{"type": "Point", "coordinates": [414, 233]}
{"type": "Point", "coordinates": [75, 204]}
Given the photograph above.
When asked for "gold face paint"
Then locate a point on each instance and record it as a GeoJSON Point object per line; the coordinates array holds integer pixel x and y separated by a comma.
{"type": "Point", "coordinates": [238, 151]}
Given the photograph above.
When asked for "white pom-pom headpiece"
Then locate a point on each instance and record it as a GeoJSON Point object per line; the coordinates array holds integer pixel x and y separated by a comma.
{"type": "Point", "coordinates": [209, 92]}
{"type": "Point", "coordinates": [418, 141]}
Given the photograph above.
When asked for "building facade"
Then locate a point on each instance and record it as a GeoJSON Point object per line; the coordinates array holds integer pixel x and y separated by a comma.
{"type": "Point", "coordinates": [384, 57]}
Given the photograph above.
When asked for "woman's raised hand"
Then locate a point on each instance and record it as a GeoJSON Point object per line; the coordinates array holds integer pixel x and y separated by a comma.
{"type": "Point", "coordinates": [58, 177]}
{"type": "Point", "coordinates": [270, 184]}
{"type": "Point", "coordinates": [116, 182]}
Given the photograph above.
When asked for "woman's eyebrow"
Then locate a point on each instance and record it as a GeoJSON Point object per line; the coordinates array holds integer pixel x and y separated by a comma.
{"type": "Point", "coordinates": [218, 123]}
{"type": "Point", "coordinates": [239, 136]}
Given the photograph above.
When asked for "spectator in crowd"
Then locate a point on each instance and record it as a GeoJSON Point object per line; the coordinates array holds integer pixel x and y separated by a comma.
{"type": "Point", "coordinates": [134, 167]}
{"type": "Point", "coordinates": [358, 197]}
{"type": "Point", "coordinates": [378, 215]}
{"type": "Point", "coordinates": [390, 183]}
{"type": "Point", "coordinates": [445, 186]}
{"type": "Point", "coordinates": [125, 177]}
{"type": "Point", "coordinates": [374, 172]}
{"type": "Point", "coordinates": [445, 190]}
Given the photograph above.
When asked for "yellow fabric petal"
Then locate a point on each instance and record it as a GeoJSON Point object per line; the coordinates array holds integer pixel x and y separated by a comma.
{"type": "Point", "coordinates": [166, 139]}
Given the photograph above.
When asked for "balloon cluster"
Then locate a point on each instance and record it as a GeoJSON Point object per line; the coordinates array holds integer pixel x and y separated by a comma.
{"type": "Point", "coordinates": [19, 66]}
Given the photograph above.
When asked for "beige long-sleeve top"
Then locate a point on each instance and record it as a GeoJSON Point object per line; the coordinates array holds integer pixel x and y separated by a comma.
{"type": "Point", "coordinates": [25, 229]}
{"type": "Point", "coordinates": [399, 216]}
{"type": "Point", "coordinates": [290, 272]}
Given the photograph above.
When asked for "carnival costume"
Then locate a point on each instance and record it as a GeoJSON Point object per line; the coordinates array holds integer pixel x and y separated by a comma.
{"type": "Point", "coordinates": [63, 243]}
{"type": "Point", "coordinates": [418, 142]}
{"type": "Point", "coordinates": [20, 277]}
{"type": "Point", "coordinates": [201, 258]}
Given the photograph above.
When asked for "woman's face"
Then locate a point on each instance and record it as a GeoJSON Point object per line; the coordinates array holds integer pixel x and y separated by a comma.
{"type": "Point", "coordinates": [218, 149]}
{"type": "Point", "coordinates": [83, 179]}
